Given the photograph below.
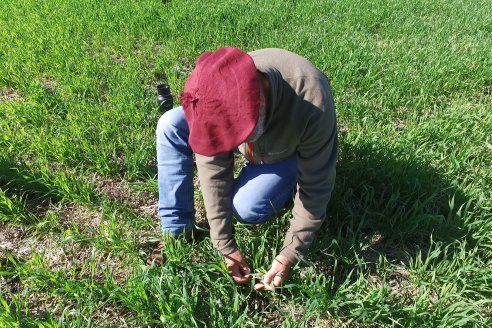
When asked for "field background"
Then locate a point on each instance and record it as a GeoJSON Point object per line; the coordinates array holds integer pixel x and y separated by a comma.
{"type": "Point", "coordinates": [408, 239]}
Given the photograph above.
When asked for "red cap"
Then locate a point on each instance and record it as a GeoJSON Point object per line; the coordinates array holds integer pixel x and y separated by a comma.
{"type": "Point", "coordinates": [221, 100]}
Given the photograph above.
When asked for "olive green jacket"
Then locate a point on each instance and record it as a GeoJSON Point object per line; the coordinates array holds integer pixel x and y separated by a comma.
{"type": "Point", "coordinates": [300, 122]}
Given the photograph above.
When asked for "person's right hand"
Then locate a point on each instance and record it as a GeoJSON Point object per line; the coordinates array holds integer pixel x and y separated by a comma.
{"type": "Point", "coordinates": [238, 268]}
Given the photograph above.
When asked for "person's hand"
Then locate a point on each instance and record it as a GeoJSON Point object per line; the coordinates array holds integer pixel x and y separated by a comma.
{"type": "Point", "coordinates": [238, 268]}
{"type": "Point", "coordinates": [276, 275]}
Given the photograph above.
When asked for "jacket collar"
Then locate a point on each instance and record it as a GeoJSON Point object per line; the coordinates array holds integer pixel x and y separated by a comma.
{"type": "Point", "coordinates": [275, 79]}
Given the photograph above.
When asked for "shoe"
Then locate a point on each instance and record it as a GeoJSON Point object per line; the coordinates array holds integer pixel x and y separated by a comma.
{"type": "Point", "coordinates": [157, 257]}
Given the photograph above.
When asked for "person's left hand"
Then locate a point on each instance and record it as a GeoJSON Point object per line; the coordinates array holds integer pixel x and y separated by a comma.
{"type": "Point", "coordinates": [276, 275]}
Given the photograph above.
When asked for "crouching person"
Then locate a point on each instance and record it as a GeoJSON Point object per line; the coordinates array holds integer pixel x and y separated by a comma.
{"type": "Point", "coordinates": [277, 109]}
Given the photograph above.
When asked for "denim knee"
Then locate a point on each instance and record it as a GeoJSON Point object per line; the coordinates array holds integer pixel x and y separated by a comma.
{"type": "Point", "coordinates": [251, 213]}
{"type": "Point", "coordinates": [172, 128]}
{"type": "Point", "coordinates": [167, 124]}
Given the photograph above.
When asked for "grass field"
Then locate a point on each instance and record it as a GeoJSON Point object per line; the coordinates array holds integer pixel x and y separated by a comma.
{"type": "Point", "coordinates": [408, 239]}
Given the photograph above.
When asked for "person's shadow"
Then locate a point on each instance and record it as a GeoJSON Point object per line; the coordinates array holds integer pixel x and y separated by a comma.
{"type": "Point", "coordinates": [385, 203]}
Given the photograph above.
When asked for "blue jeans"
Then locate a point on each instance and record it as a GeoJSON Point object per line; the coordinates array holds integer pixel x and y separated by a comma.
{"type": "Point", "coordinates": [259, 190]}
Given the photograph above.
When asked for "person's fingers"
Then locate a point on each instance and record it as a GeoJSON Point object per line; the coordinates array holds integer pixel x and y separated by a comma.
{"type": "Point", "coordinates": [276, 275]}
{"type": "Point", "coordinates": [238, 275]}
{"type": "Point", "coordinates": [267, 280]}
{"type": "Point", "coordinates": [277, 281]}
{"type": "Point", "coordinates": [262, 285]}
{"type": "Point", "coordinates": [272, 279]}
{"type": "Point", "coordinates": [245, 271]}
{"type": "Point", "coordinates": [269, 276]}
{"type": "Point", "coordinates": [242, 279]}
{"type": "Point", "coordinates": [238, 268]}
{"type": "Point", "coordinates": [245, 268]}
{"type": "Point", "coordinates": [246, 277]}
{"type": "Point", "coordinates": [259, 286]}
{"type": "Point", "coordinates": [269, 287]}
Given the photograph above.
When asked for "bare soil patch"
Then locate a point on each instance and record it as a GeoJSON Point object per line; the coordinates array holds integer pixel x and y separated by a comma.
{"type": "Point", "coordinates": [400, 124]}
{"type": "Point", "coordinates": [72, 258]}
{"type": "Point", "coordinates": [49, 84]}
{"type": "Point", "coordinates": [343, 129]}
{"type": "Point", "coordinates": [14, 240]}
{"type": "Point", "coordinates": [10, 94]}
{"type": "Point", "coordinates": [143, 202]}
{"type": "Point", "coordinates": [88, 221]}
{"type": "Point", "coordinates": [60, 255]}
{"type": "Point", "coordinates": [200, 215]}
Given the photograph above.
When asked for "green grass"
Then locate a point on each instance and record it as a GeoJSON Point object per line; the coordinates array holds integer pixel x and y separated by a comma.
{"type": "Point", "coordinates": [408, 239]}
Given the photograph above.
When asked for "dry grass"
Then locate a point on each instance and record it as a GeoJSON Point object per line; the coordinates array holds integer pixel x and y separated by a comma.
{"type": "Point", "coordinates": [10, 94]}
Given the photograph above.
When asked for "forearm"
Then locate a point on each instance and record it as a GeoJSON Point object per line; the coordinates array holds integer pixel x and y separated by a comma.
{"type": "Point", "coordinates": [301, 233]}
{"type": "Point", "coordinates": [216, 180]}
{"type": "Point", "coordinates": [316, 181]}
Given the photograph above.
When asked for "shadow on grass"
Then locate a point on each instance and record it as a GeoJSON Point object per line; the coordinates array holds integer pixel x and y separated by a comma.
{"type": "Point", "coordinates": [385, 206]}
{"type": "Point", "coordinates": [18, 181]}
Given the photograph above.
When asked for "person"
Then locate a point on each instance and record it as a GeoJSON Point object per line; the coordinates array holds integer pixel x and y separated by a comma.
{"type": "Point", "coordinates": [277, 109]}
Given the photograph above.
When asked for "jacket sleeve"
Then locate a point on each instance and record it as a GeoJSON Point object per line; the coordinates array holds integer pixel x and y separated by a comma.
{"type": "Point", "coordinates": [216, 181]}
{"type": "Point", "coordinates": [316, 162]}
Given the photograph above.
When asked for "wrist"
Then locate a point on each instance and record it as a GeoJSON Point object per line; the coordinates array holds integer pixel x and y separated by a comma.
{"type": "Point", "coordinates": [290, 255]}
{"type": "Point", "coordinates": [225, 247]}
